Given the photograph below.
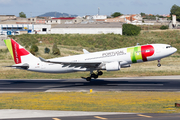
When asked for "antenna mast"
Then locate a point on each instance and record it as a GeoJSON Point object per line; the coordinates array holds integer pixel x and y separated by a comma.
{"type": "Point", "coordinates": [98, 10]}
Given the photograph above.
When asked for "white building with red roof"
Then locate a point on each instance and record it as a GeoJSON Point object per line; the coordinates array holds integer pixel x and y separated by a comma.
{"type": "Point", "coordinates": [65, 20]}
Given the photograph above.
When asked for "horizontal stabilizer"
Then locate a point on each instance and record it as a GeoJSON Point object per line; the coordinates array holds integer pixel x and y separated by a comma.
{"type": "Point", "coordinates": [24, 66]}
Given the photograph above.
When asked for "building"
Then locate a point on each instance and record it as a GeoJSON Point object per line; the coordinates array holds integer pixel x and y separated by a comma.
{"type": "Point", "coordinates": [65, 20]}
{"type": "Point", "coordinates": [62, 25]}
{"type": "Point", "coordinates": [16, 29]}
{"type": "Point", "coordinates": [96, 17]}
{"type": "Point", "coordinates": [101, 28]}
{"type": "Point", "coordinates": [7, 17]}
{"type": "Point", "coordinates": [117, 19]}
{"type": "Point", "coordinates": [78, 20]}
{"type": "Point", "coordinates": [61, 20]}
{"type": "Point", "coordinates": [19, 20]}
{"type": "Point", "coordinates": [135, 18]}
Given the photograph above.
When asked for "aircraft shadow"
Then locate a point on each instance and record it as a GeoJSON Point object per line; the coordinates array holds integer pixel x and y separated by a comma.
{"type": "Point", "coordinates": [78, 83]}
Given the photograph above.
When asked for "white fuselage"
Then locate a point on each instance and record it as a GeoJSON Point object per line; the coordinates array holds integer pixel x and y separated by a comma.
{"type": "Point", "coordinates": [124, 56]}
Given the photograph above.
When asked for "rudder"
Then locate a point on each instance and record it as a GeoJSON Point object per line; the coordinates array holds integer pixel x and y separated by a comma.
{"type": "Point", "coordinates": [18, 53]}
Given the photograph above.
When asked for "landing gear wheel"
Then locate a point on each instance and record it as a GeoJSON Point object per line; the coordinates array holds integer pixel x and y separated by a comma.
{"type": "Point", "coordinates": [100, 73]}
{"type": "Point", "coordinates": [94, 75]}
{"type": "Point", "coordinates": [159, 65]}
{"type": "Point", "coordinates": [88, 78]}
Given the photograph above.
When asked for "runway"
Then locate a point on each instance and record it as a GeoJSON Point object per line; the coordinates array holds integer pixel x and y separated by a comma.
{"type": "Point", "coordinates": [157, 83]}
{"type": "Point", "coordinates": [81, 115]}
{"type": "Point", "coordinates": [161, 83]}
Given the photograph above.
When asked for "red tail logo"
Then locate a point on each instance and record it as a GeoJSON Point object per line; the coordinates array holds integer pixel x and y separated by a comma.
{"type": "Point", "coordinates": [18, 52]}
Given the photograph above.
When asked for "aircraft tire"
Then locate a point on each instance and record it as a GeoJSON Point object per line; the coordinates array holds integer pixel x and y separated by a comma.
{"type": "Point", "coordinates": [100, 73]}
{"type": "Point", "coordinates": [159, 65]}
{"type": "Point", "coordinates": [94, 76]}
{"type": "Point", "coordinates": [88, 78]}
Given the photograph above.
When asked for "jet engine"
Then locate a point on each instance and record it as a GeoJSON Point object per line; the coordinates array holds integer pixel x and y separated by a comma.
{"type": "Point", "coordinates": [113, 66]}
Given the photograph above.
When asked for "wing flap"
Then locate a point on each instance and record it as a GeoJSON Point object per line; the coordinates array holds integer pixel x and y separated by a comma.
{"type": "Point", "coordinates": [73, 64]}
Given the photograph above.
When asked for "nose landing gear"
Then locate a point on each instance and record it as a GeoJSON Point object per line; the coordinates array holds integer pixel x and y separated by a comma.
{"type": "Point", "coordinates": [159, 64]}
{"type": "Point", "coordinates": [94, 75]}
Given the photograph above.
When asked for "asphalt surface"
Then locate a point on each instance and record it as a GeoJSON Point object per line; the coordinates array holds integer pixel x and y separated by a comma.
{"type": "Point", "coordinates": [161, 83]}
{"type": "Point", "coordinates": [115, 117]}
{"type": "Point", "coordinates": [112, 117]}
{"type": "Point", "coordinates": [158, 83]}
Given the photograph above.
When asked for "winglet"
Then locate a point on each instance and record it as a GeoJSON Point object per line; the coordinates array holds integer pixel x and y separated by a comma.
{"type": "Point", "coordinates": [85, 51]}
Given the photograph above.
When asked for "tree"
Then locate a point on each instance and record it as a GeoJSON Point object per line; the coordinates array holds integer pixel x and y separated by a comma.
{"type": "Point", "coordinates": [22, 15]}
{"type": "Point", "coordinates": [116, 14]}
{"type": "Point", "coordinates": [142, 14]}
{"type": "Point", "coordinates": [131, 30]}
{"type": "Point", "coordinates": [34, 49]}
{"type": "Point", "coordinates": [46, 50]}
{"type": "Point", "coordinates": [55, 50]}
{"type": "Point", "coordinates": [175, 10]}
{"type": "Point", "coordinates": [164, 27]}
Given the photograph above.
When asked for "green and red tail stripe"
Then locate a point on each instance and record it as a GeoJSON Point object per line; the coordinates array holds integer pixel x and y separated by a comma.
{"type": "Point", "coordinates": [16, 50]}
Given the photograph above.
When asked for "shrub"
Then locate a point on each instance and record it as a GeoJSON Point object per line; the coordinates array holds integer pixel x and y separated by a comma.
{"type": "Point", "coordinates": [6, 50]}
{"type": "Point", "coordinates": [55, 50]}
{"type": "Point", "coordinates": [131, 30]}
{"type": "Point", "coordinates": [27, 46]}
{"type": "Point", "coordinates": [46, 50]}
{"type": "Point", "coordinates": [164, 27]}
{"type": "Point", "coordinates": [34, 49]}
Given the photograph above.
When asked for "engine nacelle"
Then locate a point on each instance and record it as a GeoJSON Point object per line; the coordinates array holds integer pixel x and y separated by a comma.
{"type": "Point", "coordinates": [113, 66]}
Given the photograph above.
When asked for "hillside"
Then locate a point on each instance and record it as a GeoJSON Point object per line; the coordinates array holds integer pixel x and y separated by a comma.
{"type": "Point", "coordinates": [56, 14]}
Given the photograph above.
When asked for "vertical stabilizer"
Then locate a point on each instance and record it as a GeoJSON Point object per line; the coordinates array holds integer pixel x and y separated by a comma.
{"type": "Point", "coordinates": [18, 53]}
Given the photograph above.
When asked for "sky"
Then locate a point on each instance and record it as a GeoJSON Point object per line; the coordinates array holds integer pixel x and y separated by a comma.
{"type": "Point", "coordinates": [86, 7]}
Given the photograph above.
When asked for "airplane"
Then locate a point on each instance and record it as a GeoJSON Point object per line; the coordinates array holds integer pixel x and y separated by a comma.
{"type": "Point", "coordinates": [109, 60]}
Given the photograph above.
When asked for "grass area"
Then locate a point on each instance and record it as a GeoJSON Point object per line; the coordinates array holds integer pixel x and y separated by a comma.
{"type": "Point", "coordinates": [149, 27]}
{"type": "Point", "coordinates": [102, 41]}
{"type": "Point", "coordinates": [138, 102]}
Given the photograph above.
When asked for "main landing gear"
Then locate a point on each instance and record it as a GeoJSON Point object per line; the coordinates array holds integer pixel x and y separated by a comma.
{"type": "Point", "coordinates": [94, 75]}
{"type": "Point", "coordinates": [159, 64]}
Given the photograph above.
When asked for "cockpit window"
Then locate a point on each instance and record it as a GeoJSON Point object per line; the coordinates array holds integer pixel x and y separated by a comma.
{"type": "Point", "coordinates": [168, 46]}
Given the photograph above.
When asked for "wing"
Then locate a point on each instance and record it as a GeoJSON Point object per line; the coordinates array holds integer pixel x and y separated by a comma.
{"type": "Point", "coordinates": [74, 64]}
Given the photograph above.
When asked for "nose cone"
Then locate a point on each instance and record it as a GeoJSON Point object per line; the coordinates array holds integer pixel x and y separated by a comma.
{"type": "Point", "coordinates": [174, 49]}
